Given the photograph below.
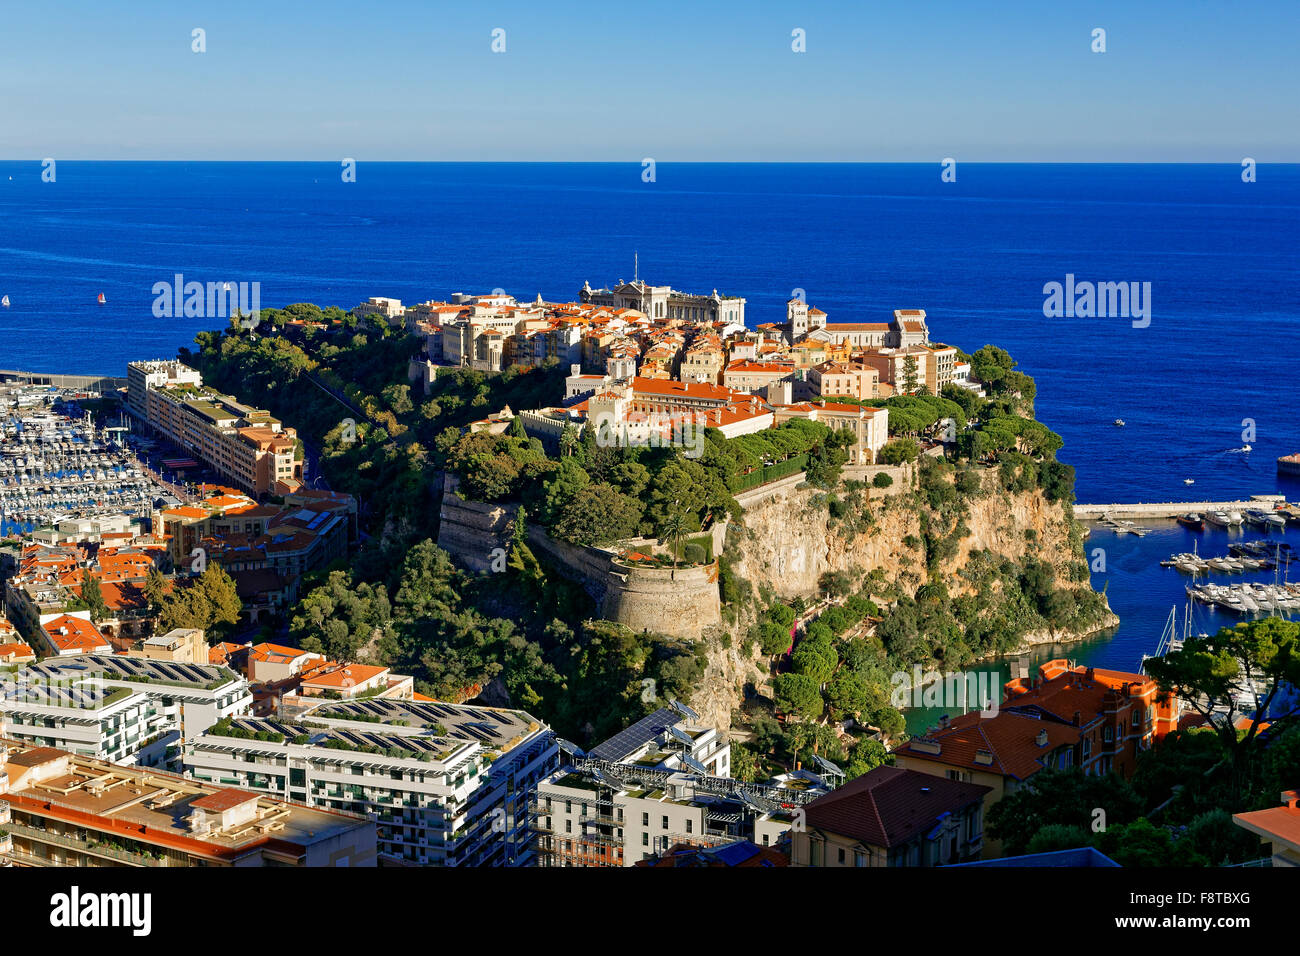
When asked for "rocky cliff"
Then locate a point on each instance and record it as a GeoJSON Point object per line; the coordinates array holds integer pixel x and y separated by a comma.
{"type": "Point", "coordinates": [794, 535]}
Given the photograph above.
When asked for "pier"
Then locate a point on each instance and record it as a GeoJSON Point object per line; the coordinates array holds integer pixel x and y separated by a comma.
{"type": "Point", "coordinates": [104, 384]}
{"type": "Point", "coordinates": [1172, 509]}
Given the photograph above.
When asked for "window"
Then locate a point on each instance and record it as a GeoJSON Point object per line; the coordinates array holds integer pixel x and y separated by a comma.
{"type": "Point", "coordinates": [665, 819]}
{"type": "Point", "coordinates": [645, 819]}
{"type": "Point", "coordinates": [841, 856]}
{"type": "Point", "coordinates": [645, 839]}
{"type": "Point", "coordinates": [689, 824]}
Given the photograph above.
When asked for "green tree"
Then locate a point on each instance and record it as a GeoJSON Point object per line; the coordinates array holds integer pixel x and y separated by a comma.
{"type": "Point", "coordinates": [1207, 672]}
{"type": "Point", "coordinates": [910, 381]}
{"type": "Point", "coordinates": [93, 597]}
{"type": "Point", "coordinates": [798, 695]}
{"type": "Point", "coordinates": [598, 514]}
{"type": "Point", "coordinates": [1064, 797]}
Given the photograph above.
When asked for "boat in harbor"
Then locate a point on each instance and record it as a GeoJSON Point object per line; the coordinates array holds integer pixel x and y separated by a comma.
{"type": "Point", "coordinates": [1191, 520]}
{"type": "Point", "coordinates": [1219, 518]}
{"type": "Point", "coordinates": [1289, 465]}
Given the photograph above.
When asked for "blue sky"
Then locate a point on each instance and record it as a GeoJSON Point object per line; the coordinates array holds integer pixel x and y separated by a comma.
{"type": "Point", "coordinates": [1009, 81]}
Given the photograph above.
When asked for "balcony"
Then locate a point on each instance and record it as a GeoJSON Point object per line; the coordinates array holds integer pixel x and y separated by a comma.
{"type": "Point", "coordinates": [125, 857]}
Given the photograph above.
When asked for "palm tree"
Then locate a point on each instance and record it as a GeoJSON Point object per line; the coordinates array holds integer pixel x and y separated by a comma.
{"type": "Point", "coordinates": [674, 525]}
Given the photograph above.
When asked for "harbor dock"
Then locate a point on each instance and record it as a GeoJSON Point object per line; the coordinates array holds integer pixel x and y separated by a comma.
{"type": "Point", "coordinates": [1172, 509]}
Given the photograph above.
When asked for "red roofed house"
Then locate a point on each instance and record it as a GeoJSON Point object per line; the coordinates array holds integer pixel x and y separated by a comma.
{"type": "Point", "coordinates": [16, 652]}
{"type": "Point", "coordinates": [68, 634]}
{"type": "Point", "coordinates": [1068, 716]}
{"type": "Point", "coordinates": [275, 662]}
{"type": "Point", "coordinates": [892, 817]}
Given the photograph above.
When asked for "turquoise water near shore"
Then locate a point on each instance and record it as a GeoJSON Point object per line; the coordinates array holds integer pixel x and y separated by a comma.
{"type": "Point", "coordinates": [1142, 594]}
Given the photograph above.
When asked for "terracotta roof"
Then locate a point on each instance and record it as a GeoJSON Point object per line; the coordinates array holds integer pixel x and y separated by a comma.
{"type": "Point", "coordinates": [1281, 824]}
{"type": "Point", "coordinates": [889, 806]}
{"type": "Point", "coordinates": [69, 633]}
{"type": "Point", "coordinates": [348, 676]}
{"type": "Point", "coordinates": [275, 653]}
{"type": "Point", "coordinates": [1010, 739]}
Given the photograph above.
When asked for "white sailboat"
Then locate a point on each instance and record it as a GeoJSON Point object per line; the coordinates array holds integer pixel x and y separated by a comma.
{"type": "Point", "coordinates": [5, 302]}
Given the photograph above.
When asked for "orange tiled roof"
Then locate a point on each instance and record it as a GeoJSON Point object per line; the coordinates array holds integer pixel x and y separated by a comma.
{"type": "Point", "coordinates": [69, 633]}
{"type": "Point", "coordinates": [347, 676]}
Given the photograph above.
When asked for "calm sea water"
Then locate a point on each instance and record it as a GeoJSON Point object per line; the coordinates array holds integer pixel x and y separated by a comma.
{"type": "Point", "coordinates": [861, 240]}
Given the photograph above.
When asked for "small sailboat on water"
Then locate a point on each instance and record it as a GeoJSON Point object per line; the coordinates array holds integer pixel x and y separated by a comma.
{"type": "Point", "coordinates": [5, 302]}
{"type": "Point", "coordinates": [102, 300]}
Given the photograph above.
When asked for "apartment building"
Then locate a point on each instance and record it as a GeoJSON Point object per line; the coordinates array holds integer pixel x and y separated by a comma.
{"type": "Point", "coordinates": [703, 362]}
{"type": "Point", "coordinates": [387, 310]}
{"type": "Point", "coordinates": [940, 367]}
{"type": "Point", "coordinates": [158, 373]}
{"type": "Point", "coordinates": [844, 380]}
{"type": "Point", "coordinates": [127, 710]}
{"type": "Point", "coordinates": [660, 783]}
{"type": "Point", "coordinates": [447, 784]}
{"type": "Point", "coordinates": [180, 645]}
{"type": "Point", "coordinates": [245, 445]}
{"type": "Point", "coordinates": [750, 376]}
{"type": "Point", "coordinates": [63, 809]}
{"type": "Point", "coordinates": [901, 370]}
{"type": "Point", "coordinates": [892, 817]}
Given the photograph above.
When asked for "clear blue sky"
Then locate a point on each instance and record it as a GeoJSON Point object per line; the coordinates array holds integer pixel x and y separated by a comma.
{"type": "Point", "coordinates": [1181, 81]}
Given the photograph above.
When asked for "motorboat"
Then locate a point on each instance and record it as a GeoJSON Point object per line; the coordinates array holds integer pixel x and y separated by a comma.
{"type": "Point", "coordinates": [1119, 422]}
{"type": "Point", "coordinates": [1192, 520]}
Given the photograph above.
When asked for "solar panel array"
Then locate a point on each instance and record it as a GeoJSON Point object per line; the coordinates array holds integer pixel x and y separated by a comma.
{"type": "Point", "coordinates": [642, 732]}
{"type": "Point", "coordinates": [477, 724]}
{"type": "Point", "coordinates": [126, 668]}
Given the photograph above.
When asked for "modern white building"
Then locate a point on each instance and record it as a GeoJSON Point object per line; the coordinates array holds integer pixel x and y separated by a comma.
{"type": "Point", "coordinates": [661, 782]}
{"type": "Point", "coordinates": [448, 784]}
{"type": "Point", "coordinates": [126, 710]}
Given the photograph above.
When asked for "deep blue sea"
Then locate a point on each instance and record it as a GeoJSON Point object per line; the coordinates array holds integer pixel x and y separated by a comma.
{"type": "Point", "coordinates": [1221, 255]}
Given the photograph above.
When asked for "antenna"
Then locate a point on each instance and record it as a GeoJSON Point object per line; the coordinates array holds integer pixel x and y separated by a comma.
{"type": "Point", "coordinates": [636, 267]}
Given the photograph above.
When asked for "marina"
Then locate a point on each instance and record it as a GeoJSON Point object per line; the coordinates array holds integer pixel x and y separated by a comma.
{"type": "Point", "coordinates": [56, 466]}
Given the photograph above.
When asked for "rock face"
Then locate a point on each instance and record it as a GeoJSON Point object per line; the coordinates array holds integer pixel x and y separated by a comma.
{"type": "Point", "coordinates": [789, 538]}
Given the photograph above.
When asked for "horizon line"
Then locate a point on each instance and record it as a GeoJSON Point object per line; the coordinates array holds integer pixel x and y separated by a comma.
{"type": "Point", "coordinates": [680, 162]}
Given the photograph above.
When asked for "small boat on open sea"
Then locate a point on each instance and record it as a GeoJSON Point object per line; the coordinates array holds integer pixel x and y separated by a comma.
{"type": "Point", "coordinates": [1119, 422]}
{"type": "Point", "coordinates": [1192, 520]}
{"type": "Point", "coordinates": [102, 300]}
{"type": "Point", "coordinates": [5, 302]}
